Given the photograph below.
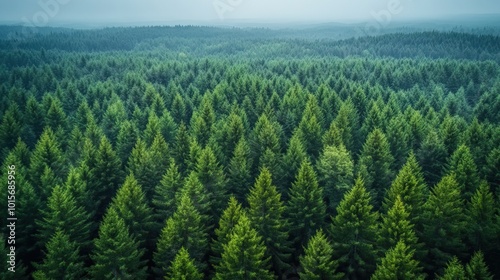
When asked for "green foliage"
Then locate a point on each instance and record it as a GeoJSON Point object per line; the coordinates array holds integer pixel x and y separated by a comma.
{"type": "Point", "coordinates": [454, 271]}
{"type": "Point", "coordinates": [317, 262]}
{"type": "Point", "coordinates": [244, 255]}
{"type": "Point", "coordinates": [164, 200]}
{"type": "Point", "coordinates": [354, 232]}
{"type": "Point", "coordinates": [463, 167]}
{"type": "Point", "coordinates": [238, 170]}
{"type": "Point", "coordinates": [398, 263]}
{"type": "Point", "coordinates": [481, 230]}
{"type": "Point", "coordinates": [396, 227]}
{"type": "Point", "coordinates": [183, 267]}
{"type": "Point", "coordinates": [477, 269]}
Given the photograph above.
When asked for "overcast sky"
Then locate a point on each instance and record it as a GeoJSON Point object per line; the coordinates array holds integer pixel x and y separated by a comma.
{"type": "Point", "coordinates": [227, 10]}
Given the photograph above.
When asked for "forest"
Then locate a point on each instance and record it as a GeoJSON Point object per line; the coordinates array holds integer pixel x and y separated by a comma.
{"type": "Point", "coordinates": [191, 152]}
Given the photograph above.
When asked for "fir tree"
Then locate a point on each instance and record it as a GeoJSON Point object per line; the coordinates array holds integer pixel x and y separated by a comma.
{"type": "Point", "coordinates": [183, 267]}
{"type": "Point", "coordinates": [164, 200]}
{"type": "Point", "coordinates": [463, 167]}
{"type": "Point", "coordinates": [6, 273]}
{"type": "Point", "coordinates": [354, 232]}
{"type": "Point", "coordinates": [238, 170]}
{"type": "Point", "coordinates": [266, 214]}
{"type": "Point", "coordinates": [398, 263]}
{"type": "Point", "coordinates": [306, 208]}
{"type": "Point", "coordinates": [454, 271]}
{"type": "Point", "coordinates": [293, 158]}
{"type": "Point", "coordinates": [244, 256]}
{"type": "Point", "coordinates": [198, 194]}
{"type": "Point", "coordinates": [62, 259]}
{"type": "Point", "coordinates": [181, 148]}
{"type": "Point", "coordinates": [317, 262]}
{"type": "Point", "coordinates": [116, 254]}
{"type": "Point", "coordinates": [481, 219]}
{"type": "Point", "coordinates": [477, 269]}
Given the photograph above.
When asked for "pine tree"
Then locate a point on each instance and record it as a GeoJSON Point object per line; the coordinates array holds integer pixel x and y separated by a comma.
{"type": "Point", "coordinates": [183, 267]}
{"type": "Point", "coordinates": [305, 209]}
{"type": "Point", "coordinates": [348, 123]}
{"type": "Point", "coordinates": [432, 157]}
{"type": "Point", "coordinates": [333, 136]}
{"type": "Point", "coordinates": [64, 214]}
{"type": "Point", "coordinates": [116, 254]}
{"type": "Point", "coordinates": [317, 261]}
{"type": "Point", "coordinates": [181, 148]}
{"type": "Point", "coordinates": [477, 269]}
{"type": "Point", "coordinates": [238, 170]}
{"type": "Point", "coordinates": [375, 165]}
{"type": "Point", "coordinates": [62, 259]}
{"type": "Point", "coordinates": [199, 196]}
{"type": "Point", "coordinates": [126, 139]}
{"type": "Point", "coordinates": [454, 271]}
{"type": "Point", "coordinates": [131, 206]}
{"type": "Point", "coordinates": [335, 174]}
{"type": "Point", "coordinates": [354, 233]}
{"type": "Point", "coordinates": [443, 221]}
{"type": "Point", "coordinates": [164, 200]}
{"type": "Point", "coordinates": [310, 132]}
{"type": "Point", "coordinates": [491, 170]}
{"type": "Point", "coordinates": [411, 189]}
{"type": "Point", "coordinates": [292, 160]}
{"type": "Point", "coordinates": [230, 217]}
{"type": "Point", "coordinates": [183, 229]}
{"type": "Point", "coordinates": [398, 263]}
{"type": "Point", "coordinates": [266, 214]}
{"type": "Point", "coordinates": [398, 135]}
{"type": "Point", "coordinates": [481, 219]}
{"type": "Point", "coordinates": [462, 165]}
{"type": "Point", "coordinates": [244, 256]}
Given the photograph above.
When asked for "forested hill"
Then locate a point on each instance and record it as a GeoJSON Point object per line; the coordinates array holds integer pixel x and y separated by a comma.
{"type": "Point", "coordinates": [256, 43]}
{"type": "Point", "coordinates": [212, 153]}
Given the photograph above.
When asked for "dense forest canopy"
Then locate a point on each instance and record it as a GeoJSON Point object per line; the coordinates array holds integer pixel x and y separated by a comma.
{"type": "Point", "coordinates": [229, 153]}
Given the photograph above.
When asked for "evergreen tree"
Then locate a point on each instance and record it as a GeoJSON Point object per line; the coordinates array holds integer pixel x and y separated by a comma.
{"type": "Point", "coordinates": [126, 139]}
{"type": "Point", "coordinates": [164, 200]}
{"type": "Point", "coordinates": [462, 165]}
{"type": "Point", "coordinates": [398, 263]}
{"type": "Point", "coordinates": [266, 214]}
{"type": "Point", "coordinates": [230, 217]}
{"type": "Point", "coordinates": [477, 269]}
{"type": "Point", "coordinates": [244, 256]}
{"type": "Point", "coordinates": [335, 174]}
{"type": "Point", "coordinates": [375, 165]}
{"type": "Point", "coordinates": [181, 148]}
{"type": "Point", "coordinates": [310, 132]}
{"type": "Point", "coordinates": [183, 229]}
{"type": "Point", "coordinates": [198, 194]}
{"type": "Point", "coordinates": [348, 123]}
{"type": "Point", "coordinates": [354, 233]}
{"type": "Point", "coordinates": [131, 206]}
{"type": "Point", "coordinates": [306, 208]}
{"type": "Point", "coordinates": [292, 160]}
{"type": "Point", "coordinates": [454, 271]}
{"type": "Point", "coordinates": [183, 267]}
{"type": "Point", "coordinates": [238, 170]}
{"type": "Point", "coordinates": [443, 221]}
{"type": "Point", "coordinates": [116, 254]}
{"type": "Point", "coordinates": [317, 262]}
{"type": "Point", "coordinates": [62, 259]}
{"type": "Point", "coordinates": [432, 157]}
{"type": "Point", "coordinates": [481, 219]}
{"type": "Point", "coordinates": [491, 170]}
{"type": "Point", "coordinates": [19, 272]}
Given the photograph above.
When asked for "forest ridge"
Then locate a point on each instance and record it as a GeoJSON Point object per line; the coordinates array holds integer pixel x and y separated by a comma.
{"type": "Point", "coordinates": [192, 152]}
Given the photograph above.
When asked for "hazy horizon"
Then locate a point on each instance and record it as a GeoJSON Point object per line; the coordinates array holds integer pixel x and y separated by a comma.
{"type": "Point", "coordinates": [67, 12]}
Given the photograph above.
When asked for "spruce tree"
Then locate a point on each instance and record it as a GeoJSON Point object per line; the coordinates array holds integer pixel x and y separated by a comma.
{"type": "Point", "coordinates": [116, 253]}
{"type": "Point", "coordinates": [481, 231]}
{"type": "Point", "coordinates": [432, 157]}
{"type": "Point", "coordinates": [454, 271]}
{"type": "Point", "coordinates": [164, 200]}
{"type": "Point", "coordinates": [443, 223]}
{"type": "Point", "coordinates": [266, 215]}
{"type": "Point", "coordinates": [317, 261]}
{"type": "Point", "coordinates": [477, 269]}
{"type": "Point", "coordinates": [375, 164]}
{"type": "Point", "coordinates": [398, 263]}
{"type": "Point", "coordinates": [305, 209]}
{"type": "Point", "coordinates": [183, 229]}
{"type": "Point", "coordinates": [199, 196]}
{"type": "Point", "coordinates": [292, 160]}
{"type": "Point", "coordinates": [238, 170]}
{"type": "Point", "coordinates": [244, 256]}
{"type": "Point", "coordinates": [62, 259]}
{"type": "Point", "coordinates": [335, 174]}
{"type": "Point", "coordinates": [180, 149]}
{"type": "Point", "coordinates": [19, 272]}
{"type": "Point", "coordinates": [462, 165]}
{"type": "Point", "coordinates": [183, 267]}
{"type": "Point", "coordinates": [354, 233]}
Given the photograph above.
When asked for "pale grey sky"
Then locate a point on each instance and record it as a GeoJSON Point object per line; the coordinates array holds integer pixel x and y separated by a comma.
{"type": "Point", "coordinates": [45, 12]}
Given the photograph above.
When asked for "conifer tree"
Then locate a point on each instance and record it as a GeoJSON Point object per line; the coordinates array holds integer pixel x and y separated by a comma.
{"type": "Point", "coordinates": [411, 189]}
{"type": "Point", "coordinates": [375, 165]}
{"type": "Point", "coordinates": [398, 263]}
{"type": "Point", "coordinates": [62, 259]}
{"type": "Point", "coordinates": [491, 170]}
{"type": "Point", "coordinates": [310, 132]}
{"type": "Point", "coordinates": [354, 233]}
{"type": "Point", "coordinates": [481, 219]}
{"type": "Point", "coordinates": [335, 174]}
{"type": "Point", "coordinates": [432, 157]}
{"type": "Point", "coordinates": [462, 165]}
{"type": "Point", "coordinates": [477, 269]}
{"type": "Point", "coordinates": [443, 221]}
{"type": "Point", "coordinates": [183, 229]}
{"type": "Point", "coordinates": [293, 158]}
{"type": "Point", "coordinates": [19, 272]}
{"type": "Point", "coordinates": [305, 209]}
{"type": "Point", "coordinates": [180, 149]}
{"type": "Point", "coordinates": [126, 139]}
{"type": "Point", "coordinates": [183, 267]}
{"type": "Point", "coordinates": [317, 261]}
{"type": "Point", "coordinates": [230, 217]}
{"type": "Point", "coordinates": [266, 215]}
{"type": "Point", "coordinates": [232, 132]}
{"type": "Point", "coordinates": [116, 254]}
{"type": "Point", "coordinates": [164, 200]}
{"type": "Point", "coordinates": [347, 121]}
{"type": "Point", "coordinates": [196, 191]}
{"type": "Point", "coordinates": [333, 136]}
{"type": "Point", "coordinates": [238, 170]}
{"type": "Point", "coordinates": [244, 256]}
{"type": "Point", "coordinates": [64, 214]}
{"type": "Point", "coordinates": [454, 271]}
{"type": "Point", "coordinates": [131, 206]}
